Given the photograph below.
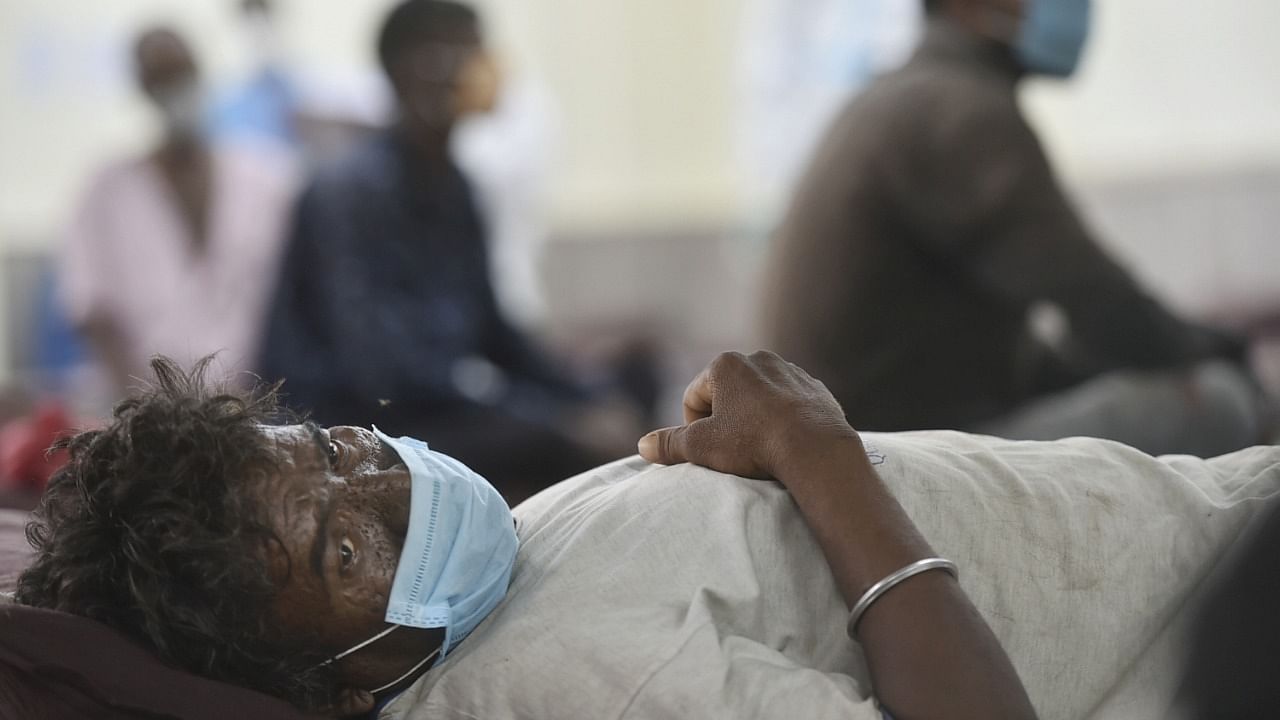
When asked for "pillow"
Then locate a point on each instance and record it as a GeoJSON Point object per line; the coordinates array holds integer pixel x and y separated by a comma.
{"type": "Point", "coordinates": [55, 665]}
{"type": "Point", "coordinates": [72, 667]}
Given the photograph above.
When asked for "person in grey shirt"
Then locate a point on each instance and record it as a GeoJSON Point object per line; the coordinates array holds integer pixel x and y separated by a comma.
{"type": "Point", "coordinates": [931, 222]}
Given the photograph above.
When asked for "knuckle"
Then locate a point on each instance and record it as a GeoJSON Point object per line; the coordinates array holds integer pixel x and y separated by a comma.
{"type": "Point", "coordinates": [731, 363]}
{"type": "Point", "coordinates": [726, 360]}
{"type": "Point", "coordinates": [767, 357]}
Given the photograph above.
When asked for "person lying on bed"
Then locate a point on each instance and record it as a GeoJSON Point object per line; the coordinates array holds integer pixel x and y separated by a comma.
{"type": "Point", "coordinates": [347, 571]}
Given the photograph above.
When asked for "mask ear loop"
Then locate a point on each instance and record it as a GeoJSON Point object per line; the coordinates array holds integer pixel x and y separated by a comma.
{"type": "Point", "coordinates": [372, 640]}
{"type": "Point", "coordinates": [411, 671]}
{"type": "Point", "coordinates": [360, 646]}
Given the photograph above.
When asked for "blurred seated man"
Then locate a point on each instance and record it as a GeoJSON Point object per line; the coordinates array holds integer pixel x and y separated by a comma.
{"type": "Point", "coordinates": [931, 223]}
{"type": "Point", "coordinates": [345, 570]}
{"type": "Point", "coordinates": [175, 252]}
{"type": "Point", "coordinates": [385, 312]}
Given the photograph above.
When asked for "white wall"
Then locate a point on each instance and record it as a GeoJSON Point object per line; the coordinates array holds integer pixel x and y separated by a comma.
{"type": "Point", "coordinates": [644, 86]}
{"type": "Point", "coordinates": [1169, 86]}
{"type": "Point", "coordinates": [643, 89]}
{"type": "Point", "coordinates": [67, 91]}
{"type": "Point", "coordinates": [645, 93]}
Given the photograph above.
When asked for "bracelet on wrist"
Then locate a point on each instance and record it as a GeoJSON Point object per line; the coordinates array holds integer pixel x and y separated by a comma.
{"type": "Point", "coordinates": [875, 592]}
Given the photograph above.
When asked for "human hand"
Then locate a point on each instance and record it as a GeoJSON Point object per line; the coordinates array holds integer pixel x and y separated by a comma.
{"type": "Point", "coordinates": [756, 416]}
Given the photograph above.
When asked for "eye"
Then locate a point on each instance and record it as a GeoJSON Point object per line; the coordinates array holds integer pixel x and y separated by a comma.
{"type": "Point", "coordinates": [335, 453]}
{"type": "Point", "coordinates": [346, 552]}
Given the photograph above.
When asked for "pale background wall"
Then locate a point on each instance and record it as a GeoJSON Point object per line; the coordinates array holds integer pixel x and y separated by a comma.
{"type": "Point", "coordinates": [1169, 86]}
{"type": "Point", "coordinates": [642, 86]}
{"type": "Point", "coordinates": [1188, 89]}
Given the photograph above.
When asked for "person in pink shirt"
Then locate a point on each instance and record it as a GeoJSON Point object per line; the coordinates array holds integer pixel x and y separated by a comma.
{"type": "Point", "coordinates": [174, 252]}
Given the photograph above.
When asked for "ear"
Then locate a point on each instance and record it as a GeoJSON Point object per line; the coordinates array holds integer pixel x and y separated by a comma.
{"type": "Point", "coordinates": [350, 702]}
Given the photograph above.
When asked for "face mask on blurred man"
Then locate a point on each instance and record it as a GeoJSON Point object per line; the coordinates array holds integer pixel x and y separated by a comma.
{"type": "Point", "coordinates": [1051, 36]}
{"type": "Point", "coordinates": [182, 107]}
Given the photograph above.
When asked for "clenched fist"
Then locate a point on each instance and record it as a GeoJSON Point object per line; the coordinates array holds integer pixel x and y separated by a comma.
{"type": "Point", "coordinates": [757, 416]}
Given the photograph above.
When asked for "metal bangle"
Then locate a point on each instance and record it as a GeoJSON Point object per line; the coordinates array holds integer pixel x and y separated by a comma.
{"type": "Point", "coordinates": [875, 591]}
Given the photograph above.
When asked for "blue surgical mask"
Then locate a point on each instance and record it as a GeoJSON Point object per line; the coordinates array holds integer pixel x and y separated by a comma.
{"type": "Point", "coordinates": [183, 109]}
{"type": "Point", "coordinates": [458, 553]}
{"type": "Point", "coordinates": [1052, 35]}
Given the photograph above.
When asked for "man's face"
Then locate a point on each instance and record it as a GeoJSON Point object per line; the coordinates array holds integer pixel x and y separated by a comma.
{"type": "Point", "coordinates": [165, 64]}
{"type": "Point", "coordinates": [339, 502]}
{"type": "Point", "coordinates": [440, 83]}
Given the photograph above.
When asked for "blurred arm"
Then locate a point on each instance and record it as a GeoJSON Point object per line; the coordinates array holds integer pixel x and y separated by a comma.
{"type": "Point", "coordinates": [987, 201]}
{"type": "Point", "coordinates": [517, 355]}
{"type": "Point", "coordinates": [529, 368]}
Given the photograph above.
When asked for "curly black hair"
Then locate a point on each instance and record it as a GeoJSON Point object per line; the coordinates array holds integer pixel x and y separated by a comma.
{"type": "Point", "coordinates": [152, 528]}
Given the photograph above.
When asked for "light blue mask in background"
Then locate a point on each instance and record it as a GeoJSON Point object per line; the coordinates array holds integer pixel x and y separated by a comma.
{"type": "Point", "coordinates": [458, 553]}
{"type": "Point", "coordinates": [1052, 36]}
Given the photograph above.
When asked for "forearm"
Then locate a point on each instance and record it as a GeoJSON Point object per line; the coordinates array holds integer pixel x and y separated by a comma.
{"type": "Point", "coordinates": [930, 653]}
{"type": "Point", "coordinates": [1114, 323]}
{"type": "Point", "coordinates": [522, 358]}
{"type": "Point", "coordinates": [1015, 234]}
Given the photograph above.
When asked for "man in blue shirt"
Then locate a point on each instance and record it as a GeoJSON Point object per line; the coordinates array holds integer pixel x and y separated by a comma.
{"type": "Point", "coordinates": [385, 312]}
